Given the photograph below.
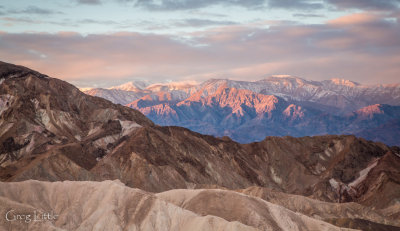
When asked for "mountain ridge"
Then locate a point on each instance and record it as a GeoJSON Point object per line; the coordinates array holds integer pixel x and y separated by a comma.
{"type": "Point", "coordinates": [316, 108]}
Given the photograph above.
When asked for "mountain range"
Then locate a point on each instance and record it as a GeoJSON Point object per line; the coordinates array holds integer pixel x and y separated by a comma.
{"type": "Point", "coordinates": [60, 149]}
{"type": "Point", "coordinates": [276, 106]}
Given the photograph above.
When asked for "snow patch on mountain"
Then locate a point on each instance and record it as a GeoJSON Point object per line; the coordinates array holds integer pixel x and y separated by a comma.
{"type": "Point", "coordinates": [136, 85]}
{"type": "Point", "coordinates": [344, 82]}
{"type": "Point", "coordinates": [172, 86]}
{"type": "Point", "coordinates": [338, 93]}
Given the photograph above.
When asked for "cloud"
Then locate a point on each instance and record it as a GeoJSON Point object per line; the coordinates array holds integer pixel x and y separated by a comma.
{"type": "Point", "coordinates": [72, 56]}
{"type": "Point", "coordinates": [90, 2]}
{"type": "Point", "coordinates": [396, 15]}
{"type": "Point", "coordinates": [172, 5]}
{"type": "Point", "coordinates": [356, 19]}
{"type": "Point", "coordinates": [366, 4]}
{"type": "Point", "coordinates": [195, 22]}
{"type": "Point", "coordinates": [93, 21]}
{"type": "Point", "coordinates": [20, 20]}
{"type": "Point", "coordinates": [149, 25]}
{"type": "Point", "coordinates": [34, 10]}
{"type": "Point", "coordinates": [361, 47]}
{"type": "Point", "coordinates": [302, 15]}
{"type": "Point", "coordinates": [26, 20]}
{"type": "Point", "coordinates": [298, 4]}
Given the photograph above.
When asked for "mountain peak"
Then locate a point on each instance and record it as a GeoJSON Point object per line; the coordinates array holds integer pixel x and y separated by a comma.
{"type": "Point", "coordinates": [172, 85]}
{"type": "Point", "coordinates": [286, 80]}
{"type": "Point", "coordinates": [370, 110]}
{"type": "Point", "coordinates": [215, 81]}
{"type": "Point", "coordinates": [344, 82]}
{"type": "Point", "coordinates": [282, 77]}
{"type": "Point", "coordinates": [135, 85]}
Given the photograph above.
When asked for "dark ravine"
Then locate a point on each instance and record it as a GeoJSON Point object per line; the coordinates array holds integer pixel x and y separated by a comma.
{"type": "Point", "coordinates": [50, 131]}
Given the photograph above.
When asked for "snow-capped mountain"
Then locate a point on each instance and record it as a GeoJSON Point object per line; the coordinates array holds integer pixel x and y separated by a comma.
{"type": "Point", "coordinates": [185, 86]}
{"type": "Point", "coordinates": [275, 106]}
{"type": "Point", "coordinates": [342, 95]}
{"type": "Point", "coordinates": [129, 92]}
{"type": "Point", "coordinates": [136, 86]}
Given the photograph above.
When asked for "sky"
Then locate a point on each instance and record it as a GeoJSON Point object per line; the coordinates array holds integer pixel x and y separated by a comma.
{"type": "Point", "coordinates": [101, 43]}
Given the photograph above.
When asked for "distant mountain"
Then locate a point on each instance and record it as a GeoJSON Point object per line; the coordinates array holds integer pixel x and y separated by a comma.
{"type": "Point", "coordinates": [115, 95]}
{"type": "Point", "coordinates": [275, 106]}
{"type": "Point", "coordinates": [136, 86]}
{"type": "Point", "coordinates": [50, 131]}
{"type": "Point", "coordinates": [235, 109]}
{"type": "Point", "coordinates": [339, 95]}
{"type": "Point", "coordinates": [342, 96]}
{"type": "Point", "coordinates": [127, 93]}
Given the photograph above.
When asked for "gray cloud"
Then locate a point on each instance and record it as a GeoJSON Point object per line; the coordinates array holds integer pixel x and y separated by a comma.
{"type": "Point", "coordinates": [28, 20]}
{"type": "Point", "coordinates": [174, 5]}
{"type": "Point", "coordinates": [302, 15]}
{"type": "Point", "coordinates": [20, 20]}
{"type": "Point", "coordinates": [298, 4]}
{"type": "Point", "coordinates": [171, 5]}
{"type": "Point", "coordinates": [77, 23]}
{"type": "Point", "coordinates": [90, 2]}
{"type": "Point", "coordinates": [195, 22]}
{"type": "Point", "coordinates": [93, 21]}
{"type": "Point", "coordinates": [34, 10]}
{"type": "Point", "coordinates": [366, 4]}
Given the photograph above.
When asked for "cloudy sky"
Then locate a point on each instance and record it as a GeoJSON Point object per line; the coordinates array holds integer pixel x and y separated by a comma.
{"type": "Point", "coordinates": [108, 42]}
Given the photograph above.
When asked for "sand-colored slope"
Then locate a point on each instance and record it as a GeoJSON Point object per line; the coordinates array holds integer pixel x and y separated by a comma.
{"type": "Point", "coordinates": [108, 205]}
{"type": "Point", "coordinates": [251, 211]}
{"type": "Point", "coordinates": [336, 213]}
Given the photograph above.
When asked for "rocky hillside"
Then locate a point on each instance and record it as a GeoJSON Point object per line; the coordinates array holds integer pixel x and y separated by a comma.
{"type": "Point", "coordinates": [40, 114]}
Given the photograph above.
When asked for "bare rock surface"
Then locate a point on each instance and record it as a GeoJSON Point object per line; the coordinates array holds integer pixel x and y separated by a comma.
{"type": "Point", "coordinates": [351, 215]}
{"type": "Point", "coordinates": [234, 206]}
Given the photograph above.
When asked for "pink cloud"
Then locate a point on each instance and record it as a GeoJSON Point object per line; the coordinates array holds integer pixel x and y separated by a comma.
{"type": "Point", "coordinates": [360, 47]}
{"type": "Point", "coordinates": [357, 18]}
